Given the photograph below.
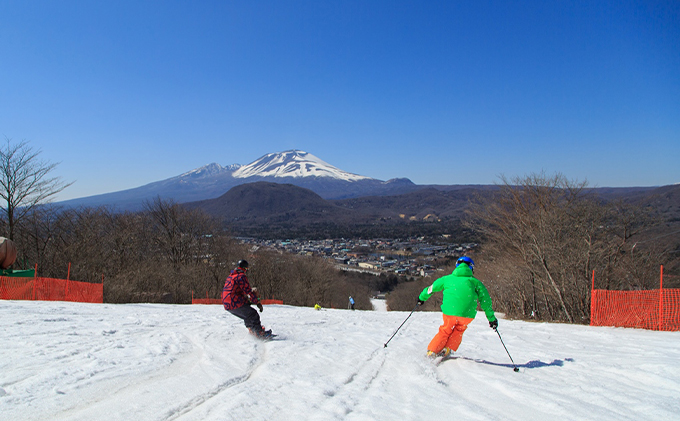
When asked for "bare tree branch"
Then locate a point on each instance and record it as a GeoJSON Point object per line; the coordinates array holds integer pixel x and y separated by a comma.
{"type": "Point", "coordinates": [25, 181]}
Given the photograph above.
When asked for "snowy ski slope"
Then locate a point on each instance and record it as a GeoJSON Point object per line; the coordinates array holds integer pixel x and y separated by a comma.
{"type": "Point", "coordinates": [74, 361]}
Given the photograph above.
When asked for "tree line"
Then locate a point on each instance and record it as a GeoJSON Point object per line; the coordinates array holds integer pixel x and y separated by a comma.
{"type": "Point", "coordinates": [543, 236]}
{"type": "Point", "coordinates": [165, 252]}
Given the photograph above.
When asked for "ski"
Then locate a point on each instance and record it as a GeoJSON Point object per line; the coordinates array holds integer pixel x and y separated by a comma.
{"type": "Point", "coordinates": [440, 360]}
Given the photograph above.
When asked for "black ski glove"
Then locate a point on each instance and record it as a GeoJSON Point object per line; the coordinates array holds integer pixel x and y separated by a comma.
{"type": "Point", "coordinates": [421, 302]}
{"type": "Point", "coordinates": [494, 324]}
{"type": "Point", "coordinates": [260, 307]}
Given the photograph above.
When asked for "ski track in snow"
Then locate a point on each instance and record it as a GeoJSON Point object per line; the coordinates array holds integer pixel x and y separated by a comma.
{"type": "Point", "coordinates": [74, 361]}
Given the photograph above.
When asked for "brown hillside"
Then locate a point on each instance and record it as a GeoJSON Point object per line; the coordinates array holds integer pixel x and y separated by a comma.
{"type": "Point", "coordinates": [264, 202]}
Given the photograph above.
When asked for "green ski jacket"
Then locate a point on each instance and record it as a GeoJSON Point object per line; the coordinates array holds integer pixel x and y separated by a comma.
{"type": "Point", "coordinates": [461, 293]}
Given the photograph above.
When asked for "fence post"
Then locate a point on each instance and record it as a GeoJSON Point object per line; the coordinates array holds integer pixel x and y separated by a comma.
{"type": "Point", "coordinates": [35, 280]}
{"type": "Point", "coordinates": [661, 297]}
{"type": "Point", "coordinates": [68, 276]}
{"type": "Point", "coordinates": [592, 300]}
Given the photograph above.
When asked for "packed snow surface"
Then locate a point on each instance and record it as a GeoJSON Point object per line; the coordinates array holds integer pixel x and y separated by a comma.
{"type": "Point", "coordinates": [294, 163]}
{"type": "Point", "coordinates": [75, 361]}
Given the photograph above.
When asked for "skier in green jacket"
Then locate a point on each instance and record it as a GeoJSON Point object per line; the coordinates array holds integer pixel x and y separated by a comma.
{"type": "Point", "coordinates": [461, 293]}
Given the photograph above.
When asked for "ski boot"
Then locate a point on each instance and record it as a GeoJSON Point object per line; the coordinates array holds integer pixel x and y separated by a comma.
{"type": "Point", "coordinates": [443, 353]}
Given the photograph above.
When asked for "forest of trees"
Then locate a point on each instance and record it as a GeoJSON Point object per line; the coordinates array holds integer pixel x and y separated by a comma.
{"type": "Point", "coordinates": [165, 252]}
{"type": "Point", "coordinates": [541, 239]}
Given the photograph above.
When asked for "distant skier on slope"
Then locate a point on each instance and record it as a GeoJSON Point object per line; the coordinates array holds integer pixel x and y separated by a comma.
{"type": "Point", "coordinates": [461, 293]}
{"type": "Point", "coordinates": [237, 296]}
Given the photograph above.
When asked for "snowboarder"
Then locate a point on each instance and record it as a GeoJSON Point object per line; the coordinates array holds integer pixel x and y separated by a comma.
{"type": "Point", "coordinates": [351, 303]}
{"type": "Point", "coordinates": [461, 293]}
{"type": "Point", "coordinates": [237, 296]}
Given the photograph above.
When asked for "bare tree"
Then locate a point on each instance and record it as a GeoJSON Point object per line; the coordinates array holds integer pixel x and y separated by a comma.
{"type": "Point", "coordinates": [25, 181]}
{"type": "Point", "coordinates": [545, 235]}
{"type": "Point", "coordinates": [180, 234]}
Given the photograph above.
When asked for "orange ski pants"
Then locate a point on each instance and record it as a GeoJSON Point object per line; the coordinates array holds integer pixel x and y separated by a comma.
{"type": "Point", "coordinates": [450, 334]}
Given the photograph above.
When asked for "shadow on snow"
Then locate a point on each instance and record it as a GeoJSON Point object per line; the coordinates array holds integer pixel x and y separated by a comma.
{"type": "Point", "coordinates": [530, 364]}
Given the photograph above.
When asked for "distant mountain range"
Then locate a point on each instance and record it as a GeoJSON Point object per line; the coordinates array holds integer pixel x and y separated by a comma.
{"type": "Point", "coordinates": [264, 202]}
{"type": "Point", "coordinates": [272, 210]}
{"type": "Point", "coordinates": [294, 167]}
{"type": "Point", "coordinates": [295, 188]}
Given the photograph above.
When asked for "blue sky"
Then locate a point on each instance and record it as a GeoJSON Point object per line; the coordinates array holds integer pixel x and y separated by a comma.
{"type": "Point", "coordinates": [124, 93]}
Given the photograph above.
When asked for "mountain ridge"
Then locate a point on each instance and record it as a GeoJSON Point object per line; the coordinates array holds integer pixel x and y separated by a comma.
{"type": "Point", "coordinates": [274, 211]}
{"type": "Point", "coordinates": [265, 209]}
{"type": "Point", "coordinates": [213, 180]}
{"type": "Point", "coordinates": [294, 167]}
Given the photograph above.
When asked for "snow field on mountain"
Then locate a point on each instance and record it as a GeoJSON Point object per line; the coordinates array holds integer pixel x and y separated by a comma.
{"type": "Point", "coordinates": [75, 361]}
{"type": "Point", "coordinates": [293, 163]}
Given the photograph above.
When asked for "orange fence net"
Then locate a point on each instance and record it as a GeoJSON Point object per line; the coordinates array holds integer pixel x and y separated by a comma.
{"type": "Point", "coordinates": [48, 289]}
{"type": "Point", "coordinates": [657, 309]}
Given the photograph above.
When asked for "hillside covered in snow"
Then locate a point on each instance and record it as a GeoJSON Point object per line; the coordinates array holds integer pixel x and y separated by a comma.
{"type": "Point", "coordinates": [74, 361]}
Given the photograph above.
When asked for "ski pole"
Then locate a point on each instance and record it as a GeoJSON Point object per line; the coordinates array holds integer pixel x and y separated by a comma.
{"type": "Point", "coordinates": [402, 324]}
{"type": "Point", "coordinates": [515, 368]}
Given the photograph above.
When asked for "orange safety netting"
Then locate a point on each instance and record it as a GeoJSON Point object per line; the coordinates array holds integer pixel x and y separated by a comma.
{"type": "Point", "coordinates": [265, 302]}
{"type": "Point", "coordinates": [47, 289]}
{"type": "Point", "coordinates": [16, 288]}
{"type": "Point", "coordinates": [652, 309]}
{"type": "Point", "coordinates": [205, 301]}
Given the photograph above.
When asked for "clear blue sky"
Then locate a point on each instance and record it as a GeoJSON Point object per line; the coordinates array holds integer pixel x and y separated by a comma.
{"type": "Point", "coordinates": [124, 93]}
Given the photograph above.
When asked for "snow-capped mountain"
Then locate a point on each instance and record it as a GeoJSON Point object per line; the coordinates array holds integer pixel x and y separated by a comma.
{"type": "Point", "coordinates": [213, 180]}
{"type": "Point", "coordinates": [209, 170]}
{"type": "Point", "coordinates": [295, 164]}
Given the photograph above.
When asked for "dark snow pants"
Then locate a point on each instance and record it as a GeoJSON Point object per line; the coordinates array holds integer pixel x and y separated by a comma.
{"type": "Point", "coordinates": [249, 316]}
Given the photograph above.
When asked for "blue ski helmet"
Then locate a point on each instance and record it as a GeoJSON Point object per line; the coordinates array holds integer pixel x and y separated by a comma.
{"type": "Point", "coordinates": [467, 261]}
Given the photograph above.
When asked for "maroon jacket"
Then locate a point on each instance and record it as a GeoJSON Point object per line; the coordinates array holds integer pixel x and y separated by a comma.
{"type": "Point", "coordinates": [237, 291]}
